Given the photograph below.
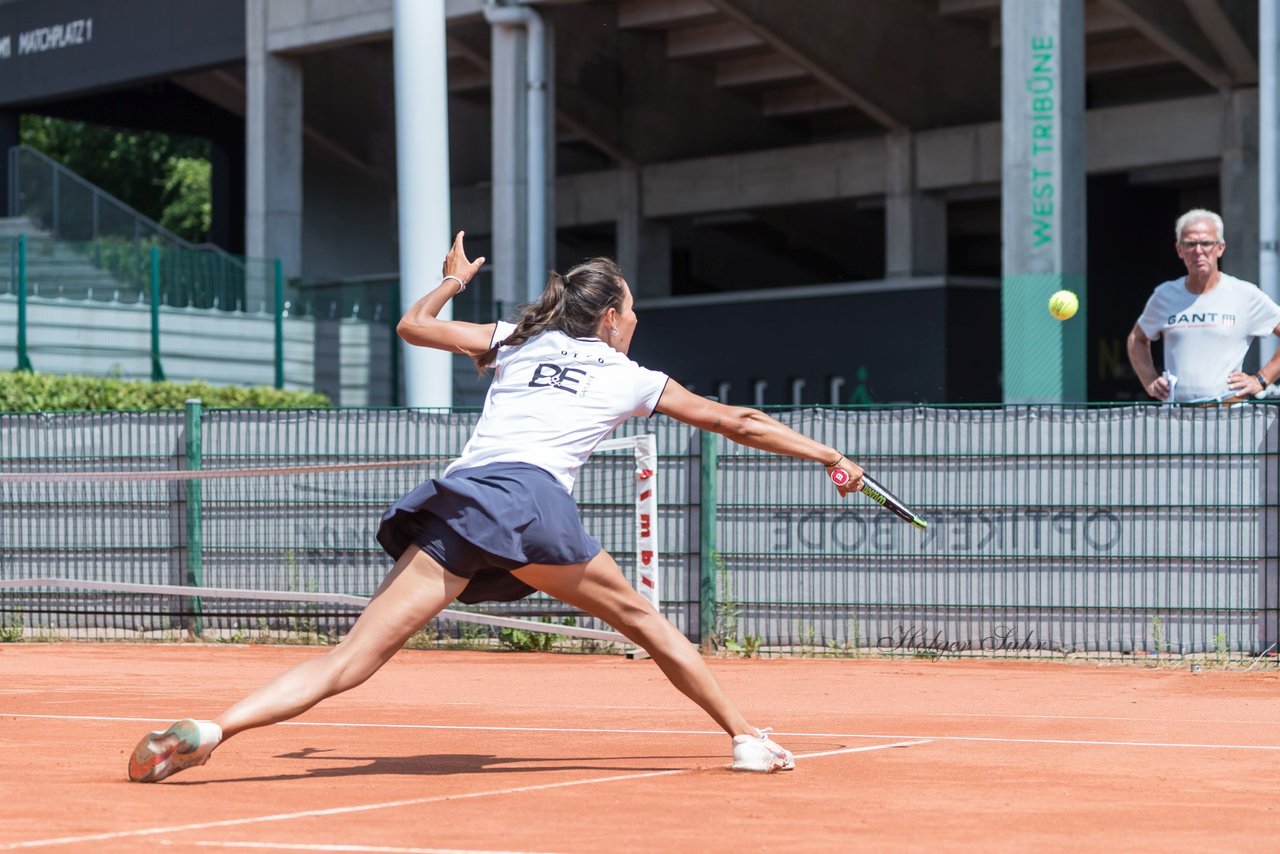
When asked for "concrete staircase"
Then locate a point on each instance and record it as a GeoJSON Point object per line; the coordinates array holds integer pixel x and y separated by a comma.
{"type": "Point", "coordinates": [12, 226]}
{"type": "Point", "coordinates": [58, 268]}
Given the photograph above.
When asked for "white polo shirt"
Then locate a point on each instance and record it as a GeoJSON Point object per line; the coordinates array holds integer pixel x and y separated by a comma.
{"type": "Point", "coordinates": [1207, 335]}
{"type": "Point", "coordinates": [553, 399]}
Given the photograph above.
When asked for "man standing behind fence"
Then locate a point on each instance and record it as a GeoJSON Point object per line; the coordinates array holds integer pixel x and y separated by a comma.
{"type": "Point", "coordinates": [1207, 319]}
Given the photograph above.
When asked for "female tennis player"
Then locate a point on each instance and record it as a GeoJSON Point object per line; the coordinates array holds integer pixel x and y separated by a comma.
{"type": "Point", "coordinates": [501, 521]}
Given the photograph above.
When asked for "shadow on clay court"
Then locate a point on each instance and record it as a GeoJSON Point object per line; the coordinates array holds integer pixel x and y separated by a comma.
{"type": "Point", "coordinates": [442, 764]}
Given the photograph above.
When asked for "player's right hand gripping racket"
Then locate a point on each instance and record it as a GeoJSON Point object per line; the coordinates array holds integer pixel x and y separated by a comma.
{"type": "Point", "coordinates": [881, 496]}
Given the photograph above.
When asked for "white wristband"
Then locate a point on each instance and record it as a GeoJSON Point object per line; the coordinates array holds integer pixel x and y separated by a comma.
{"type": "Point", "coordinates": [462, 286]}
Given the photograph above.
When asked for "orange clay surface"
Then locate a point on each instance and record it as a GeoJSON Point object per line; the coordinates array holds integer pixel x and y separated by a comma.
{"type": "Point", "coordinates": [475, 751]}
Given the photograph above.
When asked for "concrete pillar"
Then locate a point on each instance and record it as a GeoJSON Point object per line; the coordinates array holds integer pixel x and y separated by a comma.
{"type": "Point", "coordinates": [9, 137]}
{"type": "Point", "coordinates": [510, 184]}
{"type": "Point", "coordinates": [1268, 161]}
{"type": "Point", "coordinates": [915, 223]}
{"type": "Point", "coordinates": [643, 246]}
{"type": "Point", "coordinates": [273, 150]}
{"type": "Point", "coordinates": [1239, 182]}
{"type": "Point", "coordinates": [422, 183]}
{"type": "Point", "coordinates": [541, 82]}
{"type": "Point", "coordinates": [523, 99]}
{"type": "Point", "coordinates": [1043, 187]}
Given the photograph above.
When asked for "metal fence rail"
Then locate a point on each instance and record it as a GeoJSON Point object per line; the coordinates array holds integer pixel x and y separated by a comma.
{"type": "Point", "coordinates": [119, 239]}
{"type": "Point", "coordinates": [1097, 531]}
{"type": "Point", "coordinates": [61, 312]}
{"type": "Point", "coordinates": [80, 308]}
{"type": "Point", "coordinates": [110, 270]}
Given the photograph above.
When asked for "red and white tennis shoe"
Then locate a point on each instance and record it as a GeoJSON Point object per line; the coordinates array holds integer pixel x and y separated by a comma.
{"type": "Point", "coordinates": [184, 745]}
{"type": "Point", "coordinates": [761, 754]}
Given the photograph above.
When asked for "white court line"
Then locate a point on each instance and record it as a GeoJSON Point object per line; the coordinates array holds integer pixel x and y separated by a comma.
{"type": "Point", "coordinates": [800, 756]}
{"type": "Point", "coordinates": [1005, 740]}
{"type": "Point", "coordinates": [301, 846]}
{"type": "Point", "coordinates": [385, 850]}
{"type": "Point", "coordinates": [596, 731]}
{"type": "Point", "coordinates": [1121, 718]}
{"type": "Point", "coordinates": [680, 709]}
{"type": "Point", "coordinates": [376, 726]}
{"type": "Point", "coordinates": [234, 822]}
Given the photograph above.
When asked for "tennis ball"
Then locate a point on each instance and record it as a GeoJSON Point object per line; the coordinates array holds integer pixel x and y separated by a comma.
{"type": "Point", "coordinates": [1063, 305]}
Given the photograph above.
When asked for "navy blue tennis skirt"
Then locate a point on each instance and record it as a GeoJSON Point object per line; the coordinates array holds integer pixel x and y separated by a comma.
{"type": "Point", "coordinates": [496, 518]}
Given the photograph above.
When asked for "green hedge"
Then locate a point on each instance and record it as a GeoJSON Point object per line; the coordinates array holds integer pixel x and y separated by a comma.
{"type": "Point", "coordinates": [28, 392]}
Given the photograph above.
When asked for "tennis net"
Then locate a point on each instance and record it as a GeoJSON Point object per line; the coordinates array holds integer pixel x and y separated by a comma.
{"type": "Point", "coordinates": [256, 527]}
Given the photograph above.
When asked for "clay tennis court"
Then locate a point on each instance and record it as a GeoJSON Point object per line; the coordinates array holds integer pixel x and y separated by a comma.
{"type": "Point", "coordinates": [476, 751]}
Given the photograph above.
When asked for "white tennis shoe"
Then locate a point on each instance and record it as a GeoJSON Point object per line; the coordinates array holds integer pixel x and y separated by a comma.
{"type": "Point", "coordinates": [163, 753]}
{"type": "Point", "coordinates": [761, 754]}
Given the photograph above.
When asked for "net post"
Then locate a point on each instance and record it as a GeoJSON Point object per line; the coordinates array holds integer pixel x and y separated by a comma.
{"type": "Point", "coordinates": [157, 371]}
{"type": "Point", "coordinates": [24, 358]}
{"type": "Point", "coordinates": [393, 317]}
{"type": "Point", "coordinates": [707, 553]}
{"type": "Point", "coordinates": [278, 323]}
{"type": "Point", "coordinates": [644, 457]}
{"type": "Point", "coordinates": [195, 510]}
{"type": "Point", "coordinates": [647, 519]}
{"type": "Point", "coordinates": [648, 573]}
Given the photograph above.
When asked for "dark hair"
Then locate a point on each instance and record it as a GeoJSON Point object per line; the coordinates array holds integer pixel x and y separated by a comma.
{"type": "Point", "coordinates": [572, 303]}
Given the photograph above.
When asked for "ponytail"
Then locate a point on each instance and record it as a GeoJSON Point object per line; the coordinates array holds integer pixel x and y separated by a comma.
{"type": "Point", "coordinates": [572, 303]}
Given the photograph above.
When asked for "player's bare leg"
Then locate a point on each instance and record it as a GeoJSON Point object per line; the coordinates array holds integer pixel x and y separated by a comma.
{"type": "Point", "coordinates": [415, 590]}
{"type": "Point", "coordinates": [599, 588]}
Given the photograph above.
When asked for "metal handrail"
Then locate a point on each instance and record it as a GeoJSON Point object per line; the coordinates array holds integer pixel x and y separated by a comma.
{"type": "Point", "coordinates": [98, 193]}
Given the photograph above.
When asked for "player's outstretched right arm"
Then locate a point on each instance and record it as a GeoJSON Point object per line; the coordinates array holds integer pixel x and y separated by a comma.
{"type": "Point", "coordinates": [753, 428]}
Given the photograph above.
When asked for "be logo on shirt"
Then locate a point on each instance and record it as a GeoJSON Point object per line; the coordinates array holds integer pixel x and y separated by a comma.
{"type": "Point", "coordinates": [548, 375]}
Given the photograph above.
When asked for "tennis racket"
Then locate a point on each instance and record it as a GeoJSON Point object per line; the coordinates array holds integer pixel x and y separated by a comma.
{"type": "Point", "coordinates": [1227, 398]}
{"type": "Point", "coordinates": [877, 493]}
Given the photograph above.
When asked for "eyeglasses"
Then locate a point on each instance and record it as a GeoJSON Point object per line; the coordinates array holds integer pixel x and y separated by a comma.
{"type": "Point", "coordinates": [1192, 245]}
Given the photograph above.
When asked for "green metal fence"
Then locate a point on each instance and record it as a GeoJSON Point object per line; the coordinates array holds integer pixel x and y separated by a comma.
{"type": "Point", "coordinates": [376, 300]}
{"type": "Point", "coordinates": [1109, 531]}
{"type": "Point", "coordinates": [112, 270]}
{"type": "Point", "coordinates": [123, 277]}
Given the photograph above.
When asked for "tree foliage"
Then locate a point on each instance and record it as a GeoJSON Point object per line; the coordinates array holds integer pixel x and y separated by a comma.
{"type": "Point", "coordinates": [188, 202]}
{"type": "Point", "coordinates": [165, 177]}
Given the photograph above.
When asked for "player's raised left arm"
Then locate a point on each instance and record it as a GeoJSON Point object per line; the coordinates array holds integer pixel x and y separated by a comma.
{"type": "Point", "coordinates": [421, 324]}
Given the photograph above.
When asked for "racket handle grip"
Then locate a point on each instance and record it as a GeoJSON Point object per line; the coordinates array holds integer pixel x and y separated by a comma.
{"type": "Point", "coordinates": [839, 477]}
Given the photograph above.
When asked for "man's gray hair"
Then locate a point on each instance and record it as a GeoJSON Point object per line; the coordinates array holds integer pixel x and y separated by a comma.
{"type": "Point", "coordinates": [1198, 215]}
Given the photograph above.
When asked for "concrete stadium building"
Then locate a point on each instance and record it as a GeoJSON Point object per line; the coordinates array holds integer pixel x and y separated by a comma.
{"type": "Point", "coordinates": [815, 202]}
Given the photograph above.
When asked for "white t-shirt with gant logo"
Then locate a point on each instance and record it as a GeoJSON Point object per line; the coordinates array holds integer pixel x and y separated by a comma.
{"type": "Point", "coordinates": [1207, 335]}
{"type": "Point", "coordinates": [553, 399]}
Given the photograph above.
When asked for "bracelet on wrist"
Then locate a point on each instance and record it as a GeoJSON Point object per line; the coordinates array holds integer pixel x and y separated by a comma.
{"type": "Point", "coordinates": [462, 286]}
{"type": "Point", "coordinates": [834, 464]}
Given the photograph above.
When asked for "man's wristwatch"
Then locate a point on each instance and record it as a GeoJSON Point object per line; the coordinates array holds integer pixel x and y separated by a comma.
{"type": "Point", "coordinates": [1260, 378]}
